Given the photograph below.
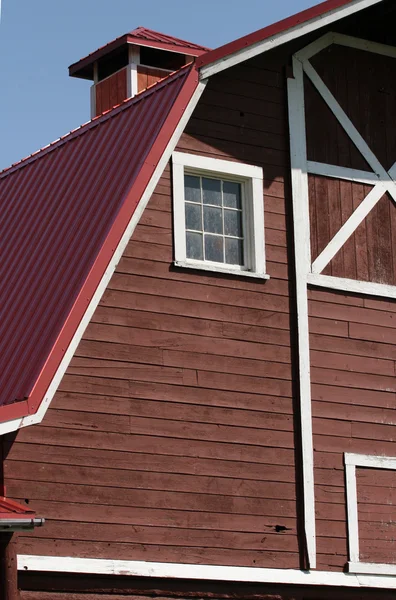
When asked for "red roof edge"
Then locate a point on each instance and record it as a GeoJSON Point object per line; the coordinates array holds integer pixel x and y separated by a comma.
{"type": "Point", "coordinates": [109, 246]}
{"type": "Point", "coordinates": [111, 112]}
{"type": "Point", "coordinates": [11, 509]}
{"type": "Point", "coordinates": [17, 517]}
{"type": "Point", "coordinates": [304, 16]}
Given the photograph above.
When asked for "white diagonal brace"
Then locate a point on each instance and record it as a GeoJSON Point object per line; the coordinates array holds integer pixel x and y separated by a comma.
{"type": "Point", "coordinates": [350, 129]}
{"type": "Point", "coordinates": [349, 227]}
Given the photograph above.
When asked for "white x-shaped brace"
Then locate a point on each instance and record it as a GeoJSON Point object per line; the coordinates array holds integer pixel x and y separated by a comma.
{"type": "Point", "coordinates": [386, 179]}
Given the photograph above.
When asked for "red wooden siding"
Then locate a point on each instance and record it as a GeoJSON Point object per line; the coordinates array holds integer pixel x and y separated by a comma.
{"type": "Point", "coordinates": [376, 510]}
{"type": "Point", "coordinates": [327, 141]}
{"type": "Point", "coordinates": [37, 586]}
{"type": "Point", "coordinates": [148, 76]}
{"type": "Point", "coordinates": [172, 436]}
{"type": "Point", "coordinates": [353, 392]}
{"type": "Point", "coordinates": [363, 84]}
{"type": "Point", "coordinates": [111, 91]}
{"type": "Point", "coordinates": [172, 432]}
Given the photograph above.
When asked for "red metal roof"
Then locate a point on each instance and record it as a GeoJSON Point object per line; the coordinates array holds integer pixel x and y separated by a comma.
{"type": "Point", "coordinates": [140, 36]}
{"type": "Point", "coordinates": [260, 35]}
{"type": "Point", "coordinates": [63, 212]}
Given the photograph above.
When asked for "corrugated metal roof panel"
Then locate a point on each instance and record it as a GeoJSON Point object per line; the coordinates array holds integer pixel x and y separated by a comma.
{"type": "Point", "coordinates": [57, 208]}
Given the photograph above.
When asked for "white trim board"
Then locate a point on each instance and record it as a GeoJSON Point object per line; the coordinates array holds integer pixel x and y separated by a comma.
{"type": "Point", "coordinates": [334, 171]}
{"type": "Point", "coordinates": [352, 461]}
{"type": "Point", "coordinates": [352, 286]}
{"type": "Point", "coordinates": [285, 36]}
{"type": "Point", "coordinates": [300, 196]}
{"type": "Point", "coordinates": [15, 424]}
{"type": "Point", "coordinates": [300, 167]}
{"type": "Point", "coordinates": [65, 564]}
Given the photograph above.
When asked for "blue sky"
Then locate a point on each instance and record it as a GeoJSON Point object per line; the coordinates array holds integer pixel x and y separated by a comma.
{"type": "Point", "coordinates": [39, 39]}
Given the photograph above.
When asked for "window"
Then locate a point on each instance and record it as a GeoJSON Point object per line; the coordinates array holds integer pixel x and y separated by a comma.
{"type": "Point", "coordinates": [218, 215]}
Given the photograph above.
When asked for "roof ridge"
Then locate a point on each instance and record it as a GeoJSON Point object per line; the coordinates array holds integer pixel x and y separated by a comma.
{"type": "Point", "coordinates": [171, 38]}
{"type": "Point", "coordinates": [81, 129]}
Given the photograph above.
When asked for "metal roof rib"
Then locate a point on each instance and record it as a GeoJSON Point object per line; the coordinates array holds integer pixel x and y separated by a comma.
{"type": "Point", "coordinates": [58, 210]}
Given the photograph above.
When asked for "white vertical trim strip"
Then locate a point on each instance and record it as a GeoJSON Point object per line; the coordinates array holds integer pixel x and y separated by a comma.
{"type": "Point", "coordinates": [352, 512]}
{"type": "Point", "coordinates": [179, 209]}
{"type": "Point", "coordinates": [37, 418]}
{"type": "Point", "coordinates": [258, 224]}
{"type": "Point", "coordinates": [298, 154]}
{"type": "Point", "coordinates": [132, 77]}
{"type": "Point", "coordinates": [93, 100]}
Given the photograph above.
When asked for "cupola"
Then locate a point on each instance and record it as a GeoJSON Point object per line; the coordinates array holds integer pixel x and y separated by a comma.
{"type": "Point", "coordinates": [131, 63]}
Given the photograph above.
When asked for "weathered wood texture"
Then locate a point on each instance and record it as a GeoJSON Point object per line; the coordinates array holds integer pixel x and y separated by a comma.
{"type": "Point", "coordinates": [148, 76]}
{"type": "Point", "coordinates": [353, 391]}
{"type": "Point", "coordinates": [171, 437]}
{"type": "Point", "coordinates": [364, 86]}
{"type": "Point", "coordinates": [68, 587]}
{"type": "Point", "coordinates": [376, 493]}
{"type": "Point", "coordinates": [111, 91]}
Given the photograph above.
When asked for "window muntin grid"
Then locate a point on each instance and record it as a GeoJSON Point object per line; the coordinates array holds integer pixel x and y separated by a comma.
{"type": "Point", "coordinates": [214, 220]}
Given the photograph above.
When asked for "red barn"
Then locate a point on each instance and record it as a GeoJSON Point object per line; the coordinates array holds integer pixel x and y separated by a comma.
{"type": "Point", "coordinates": [198, 318]}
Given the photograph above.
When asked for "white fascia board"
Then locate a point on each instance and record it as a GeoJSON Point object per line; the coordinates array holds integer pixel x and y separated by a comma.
{"type": "Point", "coordinates": [15, 424]}
{"type": "Point", "coordinates": [100, 566]}
{"type": "Point", "coordinates": [286, 36]}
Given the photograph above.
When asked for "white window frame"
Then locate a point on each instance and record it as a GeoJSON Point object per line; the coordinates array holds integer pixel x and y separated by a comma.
{"type": "Point", "coordinates": [251, 178]}
{"type": "Point", "coordinates": [373, 462]}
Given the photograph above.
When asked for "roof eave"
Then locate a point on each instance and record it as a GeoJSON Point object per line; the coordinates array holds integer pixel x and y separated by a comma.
{"type": "Point", "coordinates": [279, 33]}
{"type": "Point", "coordinates": [77, 68]}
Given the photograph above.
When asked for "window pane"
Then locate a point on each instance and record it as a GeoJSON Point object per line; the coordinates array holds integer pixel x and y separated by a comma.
{"type": "Point", "coordinates": [211, 191]}
{"type": "Point", "coordinates": [193, 216]}
{"type": "Point", "coordinates": [233, 251]}
{"type": "Point", "coordinates": [192, 188]}
{"type": "Point", "coordinates": [213, 220]}
{"type": "Point", "coordinates": [214, 248]}
{"type": "Point", "coordinates": [233, 222]}
{"type": "Point", "coordinates": [194, 245]}
{"type": "Point", "coordinates": [232, 194]}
